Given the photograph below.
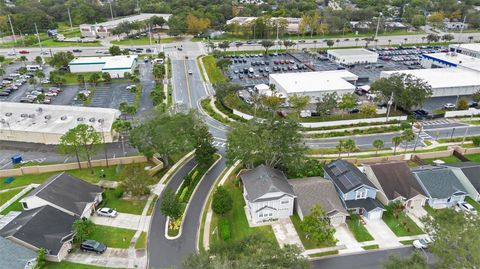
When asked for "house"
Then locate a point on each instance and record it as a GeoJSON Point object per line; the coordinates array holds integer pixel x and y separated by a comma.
{"type": "Point", "coordinates": [267, 194]}
{"type": "Point", "coordinates": [14, 256]}
{"type": "Point", "coordinates": [67, 193]}
{"type": "Point", "coordinates": [395, 182]}
{"type": "Point", "coordinates": [43, 227]}
{"type": "Point", "coordinates": [441, 186]}
{"type": "Point", "coordinates": [355, 190]}
{"type": "Point", "coordinates": [318, 191]}
{"type": "Point", "coordinates": [469, 175]}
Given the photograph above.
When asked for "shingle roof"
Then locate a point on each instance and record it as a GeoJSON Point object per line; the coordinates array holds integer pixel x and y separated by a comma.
{"type": "Point", "coordinates": [262, 180]}
{"type": "Point", "coordinates": [317, 190]}
{"type": "Point", "coordinates": [471, 170]}
{"type": "Point", "coordinates": [44, 227]}
{"type": "Point", "coordinates": [68, 192]}
{"type": "Point", "coordinates": [368, 204]}
{"type": "Point", "coordinates": [346, 176]}
{"type": "Point", "coordinates": [14, 256]}
{"type": "Point", "coordinates": [396, 180]}
{"type": "Point", "coordinates": [439, 182]}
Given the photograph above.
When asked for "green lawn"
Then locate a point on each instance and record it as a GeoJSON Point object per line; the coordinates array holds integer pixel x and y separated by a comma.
{"type": "Point", "coordinates": [473, 157]}
{"type": "Point", "coordinates": [326, 253]}
{"type": "Point", "coordinates": [449, 159]}
{"type": "Point", "coordinates": [112, 237]}
{"type": "Point", "coordinates": [307, 243]}
{"type": "Point", "coordinates": [141, 241]}
{"type": "Point", "coordinates": [369, 247]}
{"type": "Point", "coordinates": [16, 206]}
{"type": "Point", "coordinates": [407, 242]}
{"type": "Point", "coordinates": [71, 265]}
{"type": "Point", "coordinates": [358, 230]}
{"type": "Point", "coordinates": [53, 43]}
{"type": "Point", "coordinates": [144, 41]}
{"type": "Point", "coordinates": [403, 226]}
{"type": "Point", "coordinates": [473, 203]}
{"type": "Point", "coordinates": [5, 196]}
{"type": "Point", "coordinates": [72, 78]}
{"type": "Point", "coordinates": [152, 205]}
{"type": "Point", "coordinates": [213, 72]}
{"type": "Point", "coordinates": [25, 180]}
{"type": "Point", "coordinates": [130, 206]}
{"type": "Point", "coordinates": [237, 219]}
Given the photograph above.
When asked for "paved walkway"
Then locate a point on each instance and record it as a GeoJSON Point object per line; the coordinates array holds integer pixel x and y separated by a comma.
{"type": "Point", "coordinates": [345, 238]}
{"type": "Point", "coordinates": [285, 233]}
{"type": "Point", "coordinates": [123, 220]}
{"type": "Point", "coordinates": [382, 234]}
{"type": "Point", "coordinates": [113, 258]}
{"type": "Point", "coordinates": [416, 215]}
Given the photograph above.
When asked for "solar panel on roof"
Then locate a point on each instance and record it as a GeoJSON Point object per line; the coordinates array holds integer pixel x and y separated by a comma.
{"type": "Point", "coordinates": [336, 171]}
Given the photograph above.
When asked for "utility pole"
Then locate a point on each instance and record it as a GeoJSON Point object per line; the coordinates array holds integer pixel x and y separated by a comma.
{"type": "Point", "coordinates": [378, 25]}
{"type": "Point", "coordinates": [39, 41]}
{"type": "Point", "coordinates": [418, 136]}
{"type": "Point", "coordinates": [150, 34]}
{"type": "Point", "coordinates": [104, 145]}
{"type": "Point", "coordinates": [111, 11]}
{"type": "Point", "coordinates": [70, 19]}
{"type": "Point", "coordinates": [277, 41]}
{"type": "Point", "coordinates": [389, 105]}
{"type": "Point", "coordinates": [13, 32]}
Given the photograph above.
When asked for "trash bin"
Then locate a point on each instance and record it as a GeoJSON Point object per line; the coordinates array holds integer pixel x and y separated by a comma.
{"type": "Point", "coordinates": [16, 159]}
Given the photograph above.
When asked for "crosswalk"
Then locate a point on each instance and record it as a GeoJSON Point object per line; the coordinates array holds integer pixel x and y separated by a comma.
{"type": "Point", "coordinates": [219, 144]}
{"type": "Point", "coordinates": [425, 136]}
{"type": "Point", "coordinates": [436, 122]}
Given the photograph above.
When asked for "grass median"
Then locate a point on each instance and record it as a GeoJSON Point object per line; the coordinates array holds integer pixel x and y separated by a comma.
{"type": "Point", "coordinates": [213, 72]}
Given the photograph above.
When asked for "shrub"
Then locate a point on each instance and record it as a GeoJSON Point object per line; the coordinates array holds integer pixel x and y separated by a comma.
{"type": "Point", "coordinates": [224, 229]}
{"type": "Point", "coordinates": [222, 201]}
{"type": "Point", "coordinates": [476, 141]}
{"type": "Point", "coordinates": [118, 192]}
{"type": "Point", "coordinates": [195, 174]}
{"type": "Point", "coordinates": [182, 195]}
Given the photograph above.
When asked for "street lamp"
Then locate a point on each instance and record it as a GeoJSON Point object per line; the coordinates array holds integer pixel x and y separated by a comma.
{"type": "Point", "coordinates": [389, 105]}
{"type": "Point", "coordinates": [378, 24]}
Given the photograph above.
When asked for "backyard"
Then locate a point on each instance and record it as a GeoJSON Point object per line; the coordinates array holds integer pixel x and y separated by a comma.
{"type": "Point", "coordinates": [5, 196]}
{"type": "Point", "coordinates": [15, 206]}
{"type": "Point", "coordinates": [112, 237]}
{"type": "Point", "coordinates": [449, 159]}
{"type": "Point", "coordinates": [358, 230]}
{"type": "Point", "coordinates": [114, 199]}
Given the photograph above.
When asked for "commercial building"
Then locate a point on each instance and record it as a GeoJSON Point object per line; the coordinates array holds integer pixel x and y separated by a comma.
{"type": "Point", "coordinates": [450, 59]}
{"type": "Point", "coordinates": [293, 24]}
{"type": "Point", "coordinates": [117, 66]}
{"type": "Point", "coordinates": [470, 49]}
{"type": "Point", "coordinates": [45, 124]}
{"type": "Point", "coordinates": [314, 84]}
{"type": "Point", "coordinates": [352, 56]}
{"type": "Point", "coordinates": [104, 29]}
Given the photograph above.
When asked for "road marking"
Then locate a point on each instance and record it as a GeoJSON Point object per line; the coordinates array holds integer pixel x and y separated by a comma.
{"type": "Point", "coordinates": [188, 84]}
{"type": "Point", "coordinates": [66, 160]}
{"type": "Point", "coordinates": [219, 138]}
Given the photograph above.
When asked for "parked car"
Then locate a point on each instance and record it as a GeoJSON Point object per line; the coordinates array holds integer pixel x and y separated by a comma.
{"type": "Point", "coordinates": [464, 206]}
{"type": "Point", "coordinates": [449, 106]}
{"type": "Point", "coordinates": [24, 52]}
{"type": "Point", "coordinates": [107, 212]}
{"type": "Point", "coordinates": [94, 246]}
{"type": "Point", "coordinates": [77, 50]}
{"type": "Point", "coordinates": [422, 243]}
{"type": "Point", "coordinates": [11, 53]}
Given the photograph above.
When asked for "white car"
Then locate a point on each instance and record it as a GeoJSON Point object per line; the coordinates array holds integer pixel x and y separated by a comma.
{"type": "Point", "coordinates": [51, 94]}
{"type": "Point", "coordinates": [190, 72]}
{"type": "Point", "coordinates": [131, 87]}
{"type": "Point", "coordinates": [464, 206]}
{"type": "Point", "coordinates": [158, 61]}
{"type": "Point", "coordinates": [422, 243]}
{"type": "Point", "coordinates": [107, 212]}
{"type": "Point", "coordinates": [449, 106]}
{"type": "Point", "coordinates": [11, 53]}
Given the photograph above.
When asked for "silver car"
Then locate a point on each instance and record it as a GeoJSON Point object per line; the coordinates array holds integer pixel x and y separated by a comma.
{"type": "Point", "coordinates": [107, 212]}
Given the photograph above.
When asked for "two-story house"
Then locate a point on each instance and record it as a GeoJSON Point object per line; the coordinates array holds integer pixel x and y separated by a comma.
{"type": "Point", "coordinates": [267, 193]}
{"type": "Point", "coordinates": [355, 190]}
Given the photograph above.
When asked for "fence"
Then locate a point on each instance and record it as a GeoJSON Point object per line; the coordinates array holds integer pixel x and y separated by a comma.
{"type": "Point", "coordinates": [17, 196]}
{"type": "Point", "coordinates": [459, 113]}
{"type": "Point", "coordinates": [39, 169]}
{"type": "Point", "coordinates": [408, 156]}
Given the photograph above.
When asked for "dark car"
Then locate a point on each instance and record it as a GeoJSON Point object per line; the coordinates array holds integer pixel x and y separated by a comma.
{"type": "Point", "coordinates": [353, 111]}
{"type": "Point", "coordinates": [77, 50]}
{"type": "Point", "coordinates": [94, 246]}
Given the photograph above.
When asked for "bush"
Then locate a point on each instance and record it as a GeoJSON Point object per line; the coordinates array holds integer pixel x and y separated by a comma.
{"type": "Point", "coordinates": [118, 192]}
{"type": "Point", "coordinates": [222, 201]}
{"type": "Point", "coordinates": [224, 229]}
{"type": "Point", "coordinates": [195, 174]}
{"type": "Point", "coordinates": [182, 195]}
{"type": "Point", "coordinates": [476, 141]}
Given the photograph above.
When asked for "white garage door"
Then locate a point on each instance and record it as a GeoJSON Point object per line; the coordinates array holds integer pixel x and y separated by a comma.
{"type": "Point", "coordinates": [415, 203]}
{"type": "Point", "coordinates": [375, 215]}
{"type": "Point", "coordinates": [337, 220]}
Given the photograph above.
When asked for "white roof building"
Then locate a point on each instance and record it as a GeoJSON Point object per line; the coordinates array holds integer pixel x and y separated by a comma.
{"type": "Point", "coordinates": [470, 49]}
{"type": "Point", "coordinates": [450, 59]}
{"type": "Point", "coordinates": [45, 124]}
{"type": "Point", "coordinates": [314, 84]}
{"type": "Point", "coordinates": [352, 56]}
{"type": "Point", "coordinates": [115, 65]}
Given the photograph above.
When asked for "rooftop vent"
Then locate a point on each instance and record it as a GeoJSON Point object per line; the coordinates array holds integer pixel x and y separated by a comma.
{"type": "Point", "coordinates": [24, 115]}
{"type": "Point", "coordinates": [91, 120]}
{"type": "Point", "coordinates": [39, 110]}
{"type": "Point", "coordinates": [8, 114]}
{"type": "Point", "coordinates": [101, 120]}
{"type": "Point", "coordinates": [80, 119]}
{"type": "Point", "coordinates": [31, 116]}
{"type": "Point", "coordinates": [47, 117]}
{"type": "Point", "coordinates": [63, 118]}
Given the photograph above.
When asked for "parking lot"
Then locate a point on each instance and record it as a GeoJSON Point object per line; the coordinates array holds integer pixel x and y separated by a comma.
{"type": "Point", "coordinates": [111, 95]}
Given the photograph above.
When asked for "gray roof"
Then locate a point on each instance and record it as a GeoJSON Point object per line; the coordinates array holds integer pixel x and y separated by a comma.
{"type": "Point", "coordinates": [68, 192]}
{"type": "Point", "coordinates": [262, 180]}
{"type": "Point", "coordinates": [346, 176]}
{"type": "Point", "coordinates": [471, 170]}
{"type": "Point", "coordinates": [396, 180]}
{"type": "Point", "coordinates": [44, 227]}
{"type": "Point", "coordinates": [368, 204]}
{"type": "Point", "coordinates": [14, 256]}
{"type": "Point", "coordinates": [439, 182]}
{"type": "Point", "coordinates": [317, 190]}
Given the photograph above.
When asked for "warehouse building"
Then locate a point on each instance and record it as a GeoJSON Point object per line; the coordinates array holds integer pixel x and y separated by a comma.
{"type": "Point", "coordinates": [450, 59]}
{"type": "Point", "coordinates": [445, 81]}
{"type": "Point", "coordinates": [314, 84]}
{"type": "Point", "coordinates": [104, 29]}
{"type": "Point", "coordinates": [352, 56]}
{"type": "Point", "coordinates": [45, 124]}
{"type": "Point", "coordinates": [117, 66]}
{"type": "Point", "coordinates": [470, 49]}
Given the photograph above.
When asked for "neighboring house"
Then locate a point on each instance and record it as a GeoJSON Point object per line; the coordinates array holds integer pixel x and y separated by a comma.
{"type": "Point", "coordinates": [267, 194]}
{"type": "Point", "coordinates": [469, 175]}
{"type": "Point", "coordinates": [44, 227]}
{"type": "Point", "coordinates": [67, 193]}
{"type": "Point", "coordinates": [396, 182]}
{"type": "Point", "coordinates": [318, 191]}
{"type": "Point", "coordinates": [442, 187]}
{"type": "Point", "coordinates": [355, 190]}
{"type": "Point", "coordinates": [14, 256]}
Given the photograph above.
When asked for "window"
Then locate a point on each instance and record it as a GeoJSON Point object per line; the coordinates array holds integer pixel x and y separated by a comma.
{"type": "Point", "coordinates": [260, 215]}
{"type": "Point", "coordinates": [25, 206]}
{"type": "Point", "coordinates": [284, 202]}
{"type": "Point", "coordinates": [270, 214]}
{"type": "Point", "coordinates": [361, 194]}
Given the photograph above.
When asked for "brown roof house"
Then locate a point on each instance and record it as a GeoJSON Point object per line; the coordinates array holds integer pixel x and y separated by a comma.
{"type": "Point", "coordinates": [396, 182]}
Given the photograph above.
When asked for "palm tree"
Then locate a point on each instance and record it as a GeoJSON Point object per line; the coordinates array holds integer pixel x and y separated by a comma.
{"type": "Point", "coordinates": [2, 71]}
{"type": "Point", "coordinates": [23, 59]}
{"type": "Point", "coordinates": [407, 136]}
{"type": "Point", "coordinates": [396, 141]}
{"type": "Point", "coordinates": [350, 146]}
{"type": "Point", "coordinates": [338, 42]}
{"type": "Point", "coordinates": [377, 144]}
{"type": "Point", "coordinates": [423, 39]}
{"type": "Point", "coordinates": [340, 146]}
{"type": "Point", "coordinates": [470, 38]}
{"type": "Point", "coordinates": [405, 39]}
{"type": "Point", "coordinates": [389, 41]}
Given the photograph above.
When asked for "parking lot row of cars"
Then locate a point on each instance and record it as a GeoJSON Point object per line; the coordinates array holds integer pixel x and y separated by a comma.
{"type": "Point", "coordinates": [48, 95]}
{"type": "Point", "coordinates": [13, 82]}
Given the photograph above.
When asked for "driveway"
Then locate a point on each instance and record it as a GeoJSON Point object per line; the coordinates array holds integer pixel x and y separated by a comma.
{"type": "Point", "coordinates": [124, 220]}
{"type": "Point", "coordinates": [113, 258]}
{"type": "Point", "coordinates": [384, 237]}
{"type": "Point", "coordinates": [345, 238]}
{"type": "Point", "coordinates": [285, 233]}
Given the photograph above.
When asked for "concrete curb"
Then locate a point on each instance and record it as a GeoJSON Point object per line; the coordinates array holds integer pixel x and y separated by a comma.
{"type": "Point", "coordinates": [174, 168]}
{"type": "Point", "coordinates": [188, 204]}
{"type": "Point", "coordinates": [356, 253]}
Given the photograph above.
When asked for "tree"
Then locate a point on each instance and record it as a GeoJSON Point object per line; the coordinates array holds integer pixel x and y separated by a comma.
{"type": "Point", "coordinates": [448, 37]}
{"type": "Point", "coordinates": [377, 144]}
{"type": "Point", "coordinates": [40, 98]}
{"type": "Point", "coordinates": [2, 71]}
{"type": "Point", "coordinates": [396, 140]}
{"type": "Point", "coordinates": [349, 146]}
{"type": "Point", "coordinates": [134, 179]}
{"type": "Point", "coordinates": [94, 78]}
{"type": "Point", "coordinates": [414, 261]}
{"type": "Point", "coordinates": [298, 103]}
{"type": "Point", "coordinates": [476, 141]}
{"type": "Point", "coordinates": [69, 145]}
{"type": "Point", "coordinates": [266, 44]}
{"type": "Point", "coordinates": [462, 103]}
{"type": "Point", "coordinates": [407, 136]}
{"type": "Point", "coordinates": [106, 77]}
{"type": "Point", "coordinates": [222, 201]}
{"type": "Point", "coordinates": [224, 45]}
{"type": "Point", "coordinates": [316, 226]}
{"type": "Point", "coordinates": [39, 60]}
{"type": "Point", "coordinates": [41, 259]}
{"type": "Point", "coordinates": [204, 149]}
{"type": "Point", "coordinates": [83, 140]}
{"type": "Point", "coordinates": [164, 134]}
{"type": "Point", "coordinates": [436, 18]}
{"type": "Point", "coordinates": [82, 228]}
{"type": "Point", "coordinates": [340, 146]}
{"type": "Point", "coordinates": [2, 58]}
{"type": "Point", "coordinates": [476, 96]}
{"type": "Point", "coordinates": [326, 104]}
{"type": "Point", "coordinates": [23, 59]}
{"type": "Point", "coordinates": [433, 38]}
{"type": "Point", "coordinates": [61, 58]}
{"type": "Point", "coordinates": [115, 50]}
{"type": "Point", "coordinates": [368, 110]}
{"type": "Point", "coordinates": [330, 43]}
{"type": "Point", "coordinates": [348, 102]}
{"type": "Point", "coordinates": [271, 102]}
{"type": "Point", "coordinates": [39, 74]}
{"type": "Point", "coordinates": [196, 25]}
{"type": "Point", "coordinates": [171, 206]}
{"type": "Point", "coordinates": [456, 238]}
